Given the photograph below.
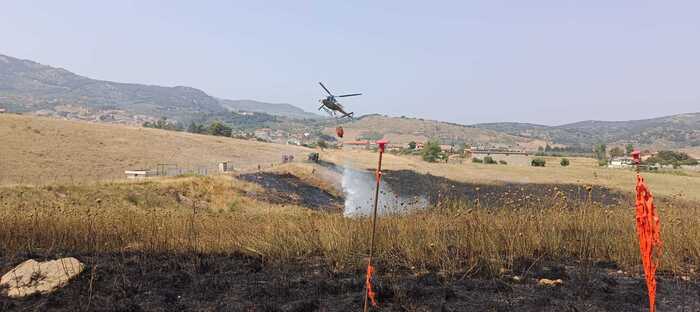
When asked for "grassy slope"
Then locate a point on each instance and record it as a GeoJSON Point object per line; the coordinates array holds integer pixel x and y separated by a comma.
{"type": "Point", "coordinates": [36, 150]}
{"type": "Point", "coordinates": [581, 171]}
{"type": "Point", "coordinates": [403, 130]}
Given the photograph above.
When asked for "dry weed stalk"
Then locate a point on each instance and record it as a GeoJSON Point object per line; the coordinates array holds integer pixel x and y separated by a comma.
{"type": "Point", "coordinates": [457, 238]}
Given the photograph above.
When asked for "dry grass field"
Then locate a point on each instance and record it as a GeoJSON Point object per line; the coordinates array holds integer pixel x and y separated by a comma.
{"type": "Point", "coordinates": [213, 215]}
{"type": "Point", "coordinates": [43, 150]}
{"type": "Point", "coordinates": [155, 239]}
{"type": "Point", "coordinates": [583, 171]}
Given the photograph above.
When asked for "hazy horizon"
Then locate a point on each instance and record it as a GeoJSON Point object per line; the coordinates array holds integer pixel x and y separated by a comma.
{"type": "Point", "coordinates": [542, 62]}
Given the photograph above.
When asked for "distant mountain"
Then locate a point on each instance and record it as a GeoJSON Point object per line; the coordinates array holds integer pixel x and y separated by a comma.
{"type": "Point", "coordinates": [30, 87]}
{"type": "Point", "coordinates": [284, 110]}
{"type": "Point", "coordinates": [675, 131]}
{"type": "Point", "coordinates": [27, 86]}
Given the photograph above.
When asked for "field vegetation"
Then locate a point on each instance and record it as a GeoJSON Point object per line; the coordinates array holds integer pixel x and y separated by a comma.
{"type": "Point", "coordinates": [213, 215]}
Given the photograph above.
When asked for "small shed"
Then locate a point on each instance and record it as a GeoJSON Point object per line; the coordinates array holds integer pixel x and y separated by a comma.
{"type": "Point", "coordinates": [225, 166]}
{"type": "Point", "coordinates": [137, 174]}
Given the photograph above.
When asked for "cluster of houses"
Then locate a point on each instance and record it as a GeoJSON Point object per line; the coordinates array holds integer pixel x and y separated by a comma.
{"type": "Point", "coordinates": [450, 149]}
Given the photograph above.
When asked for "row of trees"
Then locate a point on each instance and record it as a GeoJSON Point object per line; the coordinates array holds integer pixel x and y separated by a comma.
{"type": "Point", "coordinates": [214, 128]}
{"type": "Point", "coordinates": [164, 124]}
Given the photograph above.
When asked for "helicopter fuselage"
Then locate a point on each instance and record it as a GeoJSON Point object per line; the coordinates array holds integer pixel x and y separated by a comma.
{"type": "Point", "coordinates": [332, 104]}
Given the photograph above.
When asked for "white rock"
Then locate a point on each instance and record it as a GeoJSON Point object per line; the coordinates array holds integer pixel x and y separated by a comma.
{"type": "Point", "coordinates": [31, 277]}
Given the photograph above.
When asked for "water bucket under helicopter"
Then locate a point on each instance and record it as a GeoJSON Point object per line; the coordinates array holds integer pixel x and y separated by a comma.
{"type": "Point", "coordinates": [339, 131]}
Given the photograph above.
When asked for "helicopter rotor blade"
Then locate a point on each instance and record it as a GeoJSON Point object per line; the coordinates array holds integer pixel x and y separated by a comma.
{"type": "Point", "coordinates": [324, 88]}
{"type": "Point", "coordinates": [353, 94]}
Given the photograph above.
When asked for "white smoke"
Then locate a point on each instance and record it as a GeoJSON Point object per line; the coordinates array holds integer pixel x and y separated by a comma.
{"type": "Point", "coordinates": [359, 187]}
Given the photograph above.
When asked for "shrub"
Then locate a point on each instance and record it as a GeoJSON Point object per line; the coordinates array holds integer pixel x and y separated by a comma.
{"type": "Point", "coordinates": [431, 152]}
{"type": "Point", "coordinates": [564, 162]}
{"type": "Point", "coordinates": [671, 158]}
{"type": "Point", "coordinates": [489, 160]}
{"type": "Point", "coordinates": [477, 160]}
{"type": "Point", "coordinates": [313, 157]}
{"type": "Point", "coordinates": [538, 162]}
{"type": "Point", "coordinates": [502, 162]}
{"type": "Point", "coordinates": [219, 129]}
{"type": "Point", "coordinates": [602, 162]}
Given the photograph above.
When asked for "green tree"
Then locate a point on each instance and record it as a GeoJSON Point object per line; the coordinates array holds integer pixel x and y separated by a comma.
{"type": "Point", "coordinates": [616, 152]}
{"type": "Point", "coordinates": [431, 151]}
{"type": "Point", "coordinates": [564, 162]}
{"type": "Point", "coordinates": [412, 145]}
{"type": "Point", "coordinates": [538, 162]}
{"type": "Point", "coordinates": [164, 124]}
{"type": "Point", "coordinates": [489, 160]}
{"type": "Point", "coordinates": [600, 151]}
{"type": "Point", "coordinates": [219, 129]}
{"type": "Point", "coordinates": [671, 158]}
{"type": "Point", "coordinates": [629, 148]}
{"type": "Point", "coordinates": [196, 128]}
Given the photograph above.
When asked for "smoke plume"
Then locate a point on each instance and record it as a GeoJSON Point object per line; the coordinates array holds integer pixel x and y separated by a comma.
{"type": "Point", "coordinates": [359, 187]}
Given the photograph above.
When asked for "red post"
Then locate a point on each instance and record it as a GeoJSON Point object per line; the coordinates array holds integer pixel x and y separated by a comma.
{"type": "Point", "coordinates": [381, 145]}
{"type": "Point", "coordinates": [637, 159]}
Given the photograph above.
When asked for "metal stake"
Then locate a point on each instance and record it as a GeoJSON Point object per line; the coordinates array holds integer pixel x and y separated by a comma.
{"type": "Point", "coordinates": [381, 145]}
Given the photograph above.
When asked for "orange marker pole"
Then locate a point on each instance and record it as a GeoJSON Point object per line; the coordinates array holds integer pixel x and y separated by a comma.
{"type": "Point", "coordinates": [648, 232]}
{"type": "Point", "coordinates": [369, 293]}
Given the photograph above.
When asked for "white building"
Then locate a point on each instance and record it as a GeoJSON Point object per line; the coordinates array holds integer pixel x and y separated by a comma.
{"type": "Point", "coordinates": [621, 162]}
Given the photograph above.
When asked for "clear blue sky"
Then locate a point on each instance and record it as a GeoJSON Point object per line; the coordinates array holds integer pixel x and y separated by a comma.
{"type": "Point", "coordinates": [548, 62]}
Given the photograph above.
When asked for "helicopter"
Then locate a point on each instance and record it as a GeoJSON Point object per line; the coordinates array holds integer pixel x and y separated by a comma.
{"type": "Point", "coordinates": [332, 106]}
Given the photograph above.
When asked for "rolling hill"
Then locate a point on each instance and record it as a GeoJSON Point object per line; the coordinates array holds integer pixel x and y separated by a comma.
{"type": "Point", "coordinates": [677, 131]}
{"type": "Point", "coordinates": [27, 86]}
{"type": "Point", "coordinates": [41, 150]}
{"type": "Point", "coordinates": [401, 130]}
{"type": "Point", "coordinates": [30, 87]}
{"type": "Point", "coordinates": [282, 109]}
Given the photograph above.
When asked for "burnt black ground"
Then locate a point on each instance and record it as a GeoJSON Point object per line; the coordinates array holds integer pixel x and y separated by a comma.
{"type": "Point", "coordinates": [289, 189]}
{"type": "Point", "coordinates": [174, 282]}
{"type": "Point", "coordinates": [410, 183]}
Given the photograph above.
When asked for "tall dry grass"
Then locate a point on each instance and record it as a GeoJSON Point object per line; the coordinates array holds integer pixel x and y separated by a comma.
{"type": "Point", "coordinates": [213, 215]}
